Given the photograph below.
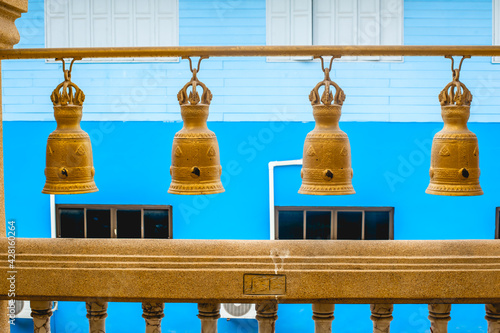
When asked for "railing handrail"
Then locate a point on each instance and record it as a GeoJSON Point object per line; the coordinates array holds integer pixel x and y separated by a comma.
{"type": "Point", "coordinates": [253, 51]}
{"type": "Point", "coordinates": [437, 271]}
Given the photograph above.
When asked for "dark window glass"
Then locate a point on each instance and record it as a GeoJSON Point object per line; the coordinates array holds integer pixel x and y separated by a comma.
{"type": "Point", "coordinates": [155, 223]}
{"type": "Point", "coordinates": [128, 223]}
{"type": "Point", "coordinates": [349, 225]}
{"type": "Point", "coordinates": [291, 224]}
{"type": "Point", "coordinates": [72, 223]}
{"type": "Point", "coordinates": [376, 225]}
{"type": "Point", "coordinates": [318, 225]}
{"type": "Point", "coordinates": [98, 223]}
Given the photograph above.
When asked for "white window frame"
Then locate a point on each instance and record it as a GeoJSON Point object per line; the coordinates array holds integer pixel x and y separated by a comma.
{"type": "Point", "coordinates": [175, 36]}
{"type": "Point", "coordinates": [288, 40]}
{"type": "Point", "coordinates": [496, 27]}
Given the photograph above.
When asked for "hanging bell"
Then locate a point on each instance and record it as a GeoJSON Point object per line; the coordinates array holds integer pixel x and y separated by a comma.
{"type": "Point", "coordinates": [196, 165]}
{"type": "Point", "coordinates": [455, 153]}
{"type": "Point", "coordinates": [69, 168]}
{"type": "Point", "coordinates": [326, 166]}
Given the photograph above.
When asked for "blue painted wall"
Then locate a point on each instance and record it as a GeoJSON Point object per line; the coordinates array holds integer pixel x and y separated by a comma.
{"type": "Point", "coordinates": [131, 114]}
{"type": "Point", "coordinates": [132, 160]}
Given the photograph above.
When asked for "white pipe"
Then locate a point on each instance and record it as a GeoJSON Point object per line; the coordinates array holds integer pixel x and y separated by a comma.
{"type": "Point", "coordinates": [271, 190]}
{"type": "Point", "coordinates": [52, 216]}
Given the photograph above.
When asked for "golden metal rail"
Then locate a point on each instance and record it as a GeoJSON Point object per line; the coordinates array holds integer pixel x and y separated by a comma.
{"type": "Point", "coordinates": [252, 51]}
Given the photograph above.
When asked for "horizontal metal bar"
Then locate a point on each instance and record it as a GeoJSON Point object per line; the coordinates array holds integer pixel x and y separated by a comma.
{"type": "Point", "coordinates": [242, 271]}
{"type": "Point", "coordinates": [252, 51]}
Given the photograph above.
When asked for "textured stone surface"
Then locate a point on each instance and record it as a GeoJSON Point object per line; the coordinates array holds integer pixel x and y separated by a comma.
{"type": "Point", "coordinates": [4, 324]}
{"type": "Point", "coordinates": [41, 311]}
{"type": "Point", "coordinates": [439, 316]}
{"type": "Point", "coordinates": [212, 271]}
{"type": "Point", "coordinates": [266, 316]}
{"type": "Point", "coordinates": [381, 317]}
{"type": "Point", "coordinates": [323, 317]}
{"type": "Point", "coordinates": [96, 314]}
{"type": "Point", "coordinates": [209, 313]}
{"type": "Point", "coordinates": [153, 314]}
{"type": "Point", "coordinates": [10, 10]}
{"type": "Point", "coordinates": [493, 317]}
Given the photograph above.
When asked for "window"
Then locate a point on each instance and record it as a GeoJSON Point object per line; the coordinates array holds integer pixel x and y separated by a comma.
{"type": "Point", "coordinates": [335, 22]}
{"type": "Point", "coordinates": [358, 223]}
{"type": "Point", "coordinates": [113, 221]}
{"type": "Point", "coordinates": [111, 23]}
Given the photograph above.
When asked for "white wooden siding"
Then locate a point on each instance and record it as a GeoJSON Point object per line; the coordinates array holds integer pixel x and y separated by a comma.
{"type": "Point", "coordinates": [112, 23]}
{"type": "Point", "coordinates": [335, 22]}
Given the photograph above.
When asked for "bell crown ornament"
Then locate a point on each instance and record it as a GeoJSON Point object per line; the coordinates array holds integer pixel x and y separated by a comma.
{"type": "Point", "coordinates": [326, 162]}
{"type": "Point", "coordinates": [327, 97]}
{"type": "Point", "coordinates": [196, 165]}
{"type": "Point", "coordinates": [454, 167]}
{"type": "Point", "coordinates": [193, 98]}
{"type": "Point", "coordinates": [455, 92]}
{"type": "Point", "coordinates": [67, 93]}
{"type": "Point", "coordinates": [69, 166]}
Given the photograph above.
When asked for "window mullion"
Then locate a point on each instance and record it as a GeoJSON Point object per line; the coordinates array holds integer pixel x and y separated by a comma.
{"type": "Point", "coordinates": [335, 224]}
{"type": "Point", "coordinates": [70, 26]}
{"type": "Point", "coordinates": [276, 223]}
{"type": "Point", "coordinates": [114, 224]}
{"type": "Point", "coordinates": [156, 31]}
{"type": "Point", "coordinates": [112, 23]}
{"type": "Point", "coordinates": [134, 23]}
{"type": "Point", "coordinates": [363, 224]}
{"type": "Point", "coordinates": [391, 224]}
{"type": "Point", "coordinates": [91, 23]}
{"type": "Point", "coordinates": [304, 224]}
{"type": "Point", "coordinates": [142, 222]}
{"type": "Point", "coordinates": [332, 225]}
{"type": "Point", "coordinates": [85, 222]}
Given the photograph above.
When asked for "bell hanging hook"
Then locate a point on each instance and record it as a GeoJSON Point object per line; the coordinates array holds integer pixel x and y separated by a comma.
{"type": "Point", "coordinates": [67, 72]}
{"type": "Point", "coordinates": [456, 71]}
{"type": "Point", "coordinates": [326, 70]}
{"type": "Point", "coordinates": [195, 70]}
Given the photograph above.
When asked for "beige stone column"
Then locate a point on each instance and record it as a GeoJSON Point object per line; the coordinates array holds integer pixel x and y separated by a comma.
{"type": "Point", "coordinates": [41, 312]}
{"type": "Point", "coordinates": [97, 313]}
{"type": "Point", "coordinates": [209, 313]}
{"type": "Point", "coordinates": [493, 317]}
{"type": "Point", "coordinates": [266, 316]}
{"type": "Point", "coordinates": [381, 317]}
{"type": "Point", "coordinates": [153, 313]}
{"type": "Point", "coordinates": [439, 315]}
{"type": "Point", "coordinates": [323, 317]}
{"type": "Point", "coordinates": [10, 10]}
{"type": "Point", "coordinates": [4, 318]}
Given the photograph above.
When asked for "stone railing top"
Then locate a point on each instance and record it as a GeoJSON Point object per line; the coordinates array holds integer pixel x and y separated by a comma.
{"type": "Point", "coordinates": [465, 271]}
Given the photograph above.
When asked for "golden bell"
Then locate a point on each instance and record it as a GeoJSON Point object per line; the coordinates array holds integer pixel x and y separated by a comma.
{"type": "Point", "coordinates": [196, 165]}
{"type": "Point", "coordinates": [455, 153]}
{"type": "Point", "coordinates": [326, 166]}
{"type": "Point", "coordinates": [69, 168]}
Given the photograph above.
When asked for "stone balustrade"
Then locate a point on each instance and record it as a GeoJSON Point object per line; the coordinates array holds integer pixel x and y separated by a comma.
{"type": "Point", "coordinates": [265, 273]}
